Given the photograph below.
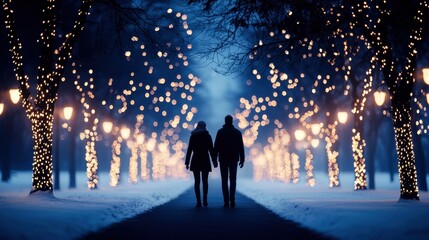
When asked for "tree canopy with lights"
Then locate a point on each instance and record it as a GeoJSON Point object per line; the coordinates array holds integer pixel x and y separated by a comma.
{"type": "Point", "coordinates": [340, 33]}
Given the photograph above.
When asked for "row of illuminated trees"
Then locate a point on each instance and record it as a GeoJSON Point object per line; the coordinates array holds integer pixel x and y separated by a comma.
{"type": "Point", "coordinates": [267, 165]}
{"type": "Point", "coordinates": [39, 98]}
{"type": "Point", "coordinates": [157, 166]}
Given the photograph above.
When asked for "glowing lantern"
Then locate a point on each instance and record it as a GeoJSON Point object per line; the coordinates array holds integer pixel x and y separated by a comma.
{"type": "Point", "coordinates": [342, 117]}
{"type": "Point", "coordinates": [1, 108]}
{"type": "Point", "coordinates": [299, 135]}
{"type": "Point", "coordinates": [315, 143]}
{"type": "Point", "coordinates": [315, 128]}
{"type": "Point", "coordinates": [426, 75]}
{"type": "Point", "coordinates": [125, 132]}
{"type": "Point", "coordinates": [427, 97]}
{"type": "Point", "coordinates": [380, 97]}
{"type": "Point", "coordinates": [14, 95]}
{"type": "Point", "coordinates": [107, 126]}
{"type": "Point", "coordinates": [68, 112]}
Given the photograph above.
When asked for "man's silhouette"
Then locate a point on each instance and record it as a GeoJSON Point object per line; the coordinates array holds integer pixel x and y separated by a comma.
{"type": "Point", "coordinates": [229, 147]}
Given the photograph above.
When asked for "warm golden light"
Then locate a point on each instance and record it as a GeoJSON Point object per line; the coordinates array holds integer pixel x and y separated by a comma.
{"type": "Point", "coordinates": [380, 97]}
{"type": "Point", "coordinates": [125, 132]}
{"type": "Point", "coordinates": [140, 139]}
{"type": "Point", "coordinates": [1, 108]}
{"type": "Point", "coordinates": [315, 143]}
{"type": "Point", "coordinates": [342, 117]}
{"type": "Point", "coordinates": [68, 113]}
{"type": "Point", "coordinates": [299, 134]}
{"type": "Point", "coordinates": [14, 95]}
{"type": "Point", "coordinates": [315, 128]}
{"type": "Point", "coordinates": [107, 126]}
{"type": "Point", "coordinates": [427, 98]}
{"type": "Point", "coordinates": [426, 75]}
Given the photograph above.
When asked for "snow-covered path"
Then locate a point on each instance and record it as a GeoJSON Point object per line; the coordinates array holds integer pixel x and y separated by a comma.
{"type": "Point", "coordinates": [341, 212]}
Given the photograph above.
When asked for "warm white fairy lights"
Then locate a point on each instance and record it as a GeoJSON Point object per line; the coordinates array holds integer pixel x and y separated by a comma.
{"type": "Point", "coordinates": [333, 168]}
{"type": "Point", "coordinates": [91, 121]}
{"type": "Point", "coordinates": [134, 144]}
{"type": "Point", "coordinates": [115, 163]}
{"type": "Point", "coordinates": [400, 84]}
{"type": "Point", "coordinates": [311, 181]}
{"type": "Point", "coordinates": [40, 109]}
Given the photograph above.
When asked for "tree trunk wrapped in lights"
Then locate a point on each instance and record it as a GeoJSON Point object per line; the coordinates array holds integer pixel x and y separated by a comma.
{"type": "Point", "coordinates": [91, 154]}
{"type": "Point", "coordinates": [404, 147]}
{"type": "Point", "coordinates": [311, 181]}
{"type": "Point", "coordinates": [115, 163]}
{"type": "Point", "coordinates": [358, 141]}
{"type": "Point", "coordinates": [42, 124]}
{"type": "Point", "coordinates": [40, 109]}
{"type": "Point", "coordinates": [333, 169]}
{"type": "Point", "coordinates": [400, 82]}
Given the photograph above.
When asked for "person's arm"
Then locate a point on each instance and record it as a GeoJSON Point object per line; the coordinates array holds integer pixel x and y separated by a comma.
{"type": "Point", "coordinates": [217, 144]}
{"type": "Point", "coordinates": [241, 149]}
{"type": "Point", "coordinates": [213, 153]}
{"type": "Point", "coordinates": [189, 152]}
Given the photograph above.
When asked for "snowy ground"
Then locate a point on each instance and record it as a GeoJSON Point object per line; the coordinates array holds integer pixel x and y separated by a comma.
{"type": "Point", "coordinates": [73, 213]}
{"type": "Point", "coordinates": [342, 212]}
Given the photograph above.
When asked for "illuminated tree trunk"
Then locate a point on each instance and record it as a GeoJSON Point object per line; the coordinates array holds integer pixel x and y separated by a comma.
{"type": "Point", "coordinates": [331, 138]}
{"type": "Point", "coordinates": [91, 155]}
{"type": "Point", "coordinates": [358, 145]}
{"type": "Point", "coordinates": [404, 147]}
{"type": "Point", "coordinates": [40, 108]}
{"type": "Point", "coordinates": [42, 127]}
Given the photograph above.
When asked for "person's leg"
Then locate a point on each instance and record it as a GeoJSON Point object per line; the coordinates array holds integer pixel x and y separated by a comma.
{"type": "Point", "coordinates": [232, 182]}
{"type": "Point", "coordinates": [197, 187]}
{"type": "Point", "coordinates": [224, 176]}
{"type": "Point", "coordinates": [205, 180]}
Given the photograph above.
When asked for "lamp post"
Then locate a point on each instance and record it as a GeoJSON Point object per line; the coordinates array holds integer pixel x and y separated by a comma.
{"type": "Point", "coordinates": [9, 131]}
{"type": "Point", "coordinates": [66, 114]}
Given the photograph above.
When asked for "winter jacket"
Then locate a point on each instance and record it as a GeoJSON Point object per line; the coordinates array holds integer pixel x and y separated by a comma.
{"type": "Point", "coordinates": [229, 144]}
{"type": "Point", "coordinates": [200, 146]}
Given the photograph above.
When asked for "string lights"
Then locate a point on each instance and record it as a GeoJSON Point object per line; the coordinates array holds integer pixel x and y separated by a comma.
{"type": "Point", "coordinates": [90, 118]}
{"type": "Point", "coordinates": [40, 109]}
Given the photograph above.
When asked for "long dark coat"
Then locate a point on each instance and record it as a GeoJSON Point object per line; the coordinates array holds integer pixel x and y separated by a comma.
{"type": "Point", "coordinates": [200, 146]}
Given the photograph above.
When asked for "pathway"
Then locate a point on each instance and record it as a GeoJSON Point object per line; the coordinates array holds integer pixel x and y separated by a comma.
{"type": "Point", "coordinates": [180, 219]}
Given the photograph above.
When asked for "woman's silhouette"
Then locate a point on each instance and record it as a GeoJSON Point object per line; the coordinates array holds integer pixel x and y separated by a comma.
{"type": "Point", "coordinates": [200, 146]}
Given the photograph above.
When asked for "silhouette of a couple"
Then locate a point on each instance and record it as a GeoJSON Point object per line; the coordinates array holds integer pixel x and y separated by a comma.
{"type": "Point", "coordinates": [228, 146]}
